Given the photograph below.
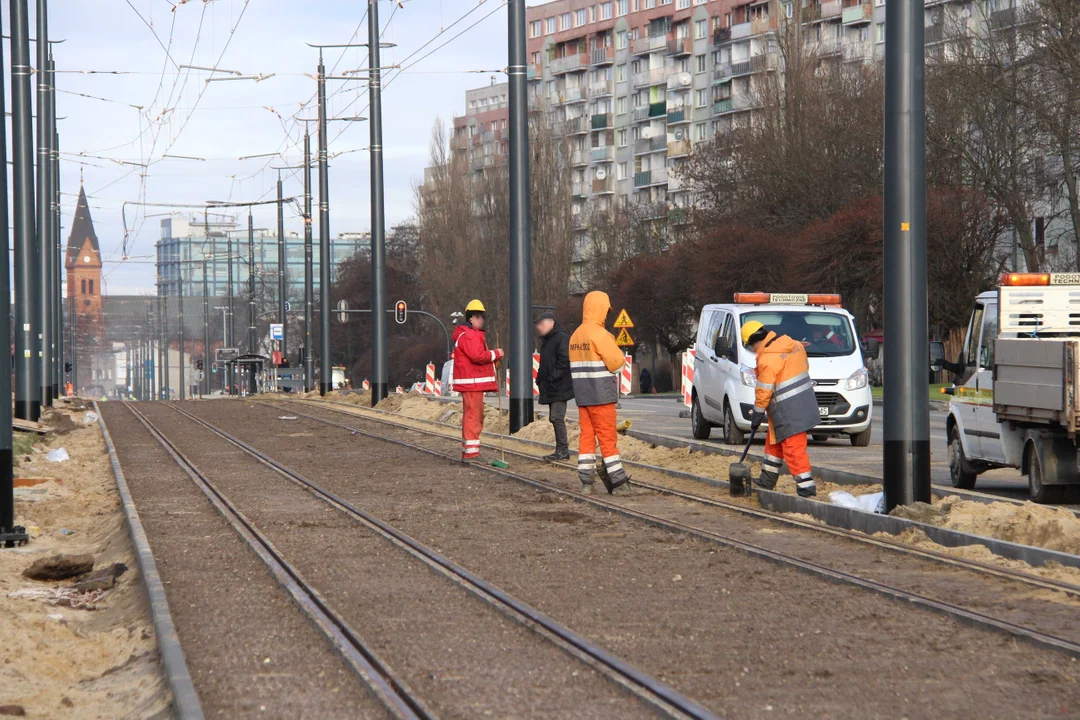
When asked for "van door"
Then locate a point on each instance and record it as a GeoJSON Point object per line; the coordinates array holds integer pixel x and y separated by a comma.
{"type": "Point", "coordinates": [986, 423]}
{"type": "Point", "coordinates": [967, 393]}
{"type": "Point", "coordinates": [727, 353]}
{"type": "Point", "coordinates": [707, 380]}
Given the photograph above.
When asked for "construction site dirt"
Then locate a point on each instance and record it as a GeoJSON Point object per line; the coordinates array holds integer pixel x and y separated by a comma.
{"type": "Point", "coordinates": [741, 635]}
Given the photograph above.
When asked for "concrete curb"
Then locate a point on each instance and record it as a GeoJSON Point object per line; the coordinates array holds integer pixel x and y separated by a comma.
{"type": "Point", "coordinates": [833, 515]}
{"type": "Point", "coordinates": [185, 699]}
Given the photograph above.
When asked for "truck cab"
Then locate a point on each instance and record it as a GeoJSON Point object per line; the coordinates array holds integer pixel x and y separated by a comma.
{"type": "Point", "coordinates": [1014, 403]}
{"type": "Point", "coordinates": [724, 370]}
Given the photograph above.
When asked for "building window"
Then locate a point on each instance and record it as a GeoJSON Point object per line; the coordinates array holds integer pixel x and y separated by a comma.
{"type": "Point", "coordinates": [864, 34]}
{"type": "Point", "coordinates": [549, 26]}
{"type": "Point", "coordinates": [700, 98]}
{"type": "Point", "coordinates": [536, 58]}
{"type": "Point", "coordinates": [605, 11]}
{"type": "Point", "coordinates": [621, 41]}
{"type": "Point", "coordinates": [701, 28]}
{"type": "Point", "coordinates": [620, 138]}
{"type": "Point", "coordinates": [879, 32]}
{"type": "Point", "coordinates": [789, 10]}
{"type": "Point", "coordinates": [84, 285]}
{"type": "Point", "coordinates": [665, 2]}
{"type": "Point", "coordinates": [700, 63]}
{"type": "Point", "coordinates": [879, 2]}
{"type": "Point", "coordinates": [650, 4]}
{"type": "Point", "coordinates": [535, 28]}
{"type": "Point", "coordinates": [581, 17]}
{"type": "Point", "coordinates": [682, 4]}
{"type": "Point", "coordinates": [620, 73]}
{"type": "Point", "coordinates": [700, 2]}
{"type": "Point", "coordinates": [564, 21]}
{"type": "Point", "coordinates": [91, 287]}
{"type": "Point", "coordinates": [699, 132]}
{"type": "Point", "coordinates": [620, 105]}
{"type": "Point", "coordinates": [620, 172]}
{"type": "Point", "coordinates": [621, 7]}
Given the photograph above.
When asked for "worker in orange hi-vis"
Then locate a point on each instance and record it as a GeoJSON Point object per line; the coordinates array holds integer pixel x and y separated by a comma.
{"type": "Point", "coordinates": [786, 393]}
{"type": "Point", "coordinates": [474, 374]}
{"type": "Point", "coordinates": [595, 363]}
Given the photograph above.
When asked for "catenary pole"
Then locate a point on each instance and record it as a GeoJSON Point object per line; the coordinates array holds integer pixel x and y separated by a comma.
{"type": "Point", "coordinates": [326, 379]}
{"type": "Point", "coordinates": [229, 328]}
{"type": "Point", "coordinates": [165, 343]}
{"type": "Point", "coordinates": [204, 383]}
{"type": "Point", "coordinates": [44, 207]}
{"type": "Point", "coordinates": [27, 257]}
{"type": "Point", "coordinates": [379, 351]}
{"type": "Point", "coordinates": [309, 273]}
{"type": "Point", "coordinates": [282, 265]}
{"type": "Point", "coordinates": [906, 446]}
{"type": "Point", "coordinates": [58, 246]}
{"type": "Point", "coordinates": [251, 302]}
{"type": "Point", "coordinates": [180, 321]}
{"type": "Point", "coordinates": [520, 350]}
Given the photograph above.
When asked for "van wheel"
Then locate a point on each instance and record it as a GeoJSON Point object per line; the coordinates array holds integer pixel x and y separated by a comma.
{"type": "Point", "coordinates": [961, 474]}
{"type": "Point", "coordinates": [861, 439]}
{"type": "Point", "coordinates": [1040, 493]}
{"type": "Point", "coordinates": [820, 438]}
{"type": "Point", "coordinates": [698, 424]}
{"type": "Point", "coordinates": [732, 434]}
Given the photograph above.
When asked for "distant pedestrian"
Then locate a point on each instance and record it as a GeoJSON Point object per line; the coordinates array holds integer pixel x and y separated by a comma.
{"type": "Point", "coordinates": [474, 374]}
{"type": "Point", "coordinates": [553, 379]}
{"type": "Point", "coordinates": [595, 361]}
{"type": "Point", "coordinates": [645, 381]}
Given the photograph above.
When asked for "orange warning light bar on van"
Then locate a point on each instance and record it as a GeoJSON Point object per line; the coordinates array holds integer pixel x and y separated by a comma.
{"type": "Point", "coordinates": [762, 298]}
{"type": "Point", "coordinates": [1024, 279]}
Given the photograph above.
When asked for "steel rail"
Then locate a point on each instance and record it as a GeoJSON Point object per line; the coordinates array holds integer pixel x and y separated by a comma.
{"type": "Point", "coordinates": [772, 515]}
{"type": "Point", "coordinates": [971, 617]}
{"type": "Point", "coordinates": [394, 694]}
{"type": "Point", "coordinates": [643, 685]}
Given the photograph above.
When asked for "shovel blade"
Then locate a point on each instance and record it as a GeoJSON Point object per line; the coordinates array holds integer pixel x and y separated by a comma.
{"type": "Point", "coordinates": [739, 479]}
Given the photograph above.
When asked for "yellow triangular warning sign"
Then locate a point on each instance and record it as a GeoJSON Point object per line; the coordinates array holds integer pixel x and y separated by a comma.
{"type": "Point", "coordinates": [624, 338]}
{"type": "Point", "coordinates": [624, 321]}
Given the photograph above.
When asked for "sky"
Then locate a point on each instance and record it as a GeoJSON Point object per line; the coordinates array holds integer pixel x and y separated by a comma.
{"type": "Point", "coordinates": [180, 114]}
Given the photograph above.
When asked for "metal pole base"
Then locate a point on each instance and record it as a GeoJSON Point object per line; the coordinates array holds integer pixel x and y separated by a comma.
{"type": "Point", "coordinates": [379, 391]}
{"type": "Point", "coordinates": [48, 393]}
{"type": "Point", "coordinates": [17, 536]}
{"type": "Point", "coordinates": [909, 459]}
{"type": "Point", "coordinates": [28, 410]}
{"type": "Point", "coordinates": [521, 413]}
{"type": "Point", "coordinates": [326, 388]}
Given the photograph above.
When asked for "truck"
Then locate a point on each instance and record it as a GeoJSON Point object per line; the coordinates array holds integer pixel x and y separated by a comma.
{"type": "Point", "coordinates": [724, 369]}
{"type": "Point", "coordinates": [1016, 402]}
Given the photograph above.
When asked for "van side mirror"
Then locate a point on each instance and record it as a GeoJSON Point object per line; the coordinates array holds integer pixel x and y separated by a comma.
{"type": "Point", "coordinates": [871, 349]}
{"type": "Point", "coordinates": [721, 348]}
{"type": "Point", "coordinates": [937, 356]}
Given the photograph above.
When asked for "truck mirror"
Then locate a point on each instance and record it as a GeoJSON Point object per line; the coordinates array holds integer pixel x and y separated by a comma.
{"type": "Point", "coordinates": [721, 346]}
{"type": "Point", "coordinates": [937, 356]}
{"type": "Point", "coordinates": [871, 349]}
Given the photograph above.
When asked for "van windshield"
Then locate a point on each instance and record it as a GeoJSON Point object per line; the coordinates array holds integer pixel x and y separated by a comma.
{"type": "Point", "coordinates": [824, 334]}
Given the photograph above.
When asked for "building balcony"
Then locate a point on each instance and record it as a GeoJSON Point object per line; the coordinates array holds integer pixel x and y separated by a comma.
{"type": "Point", "coordinates": [645, 45]}
{"type": "Point", "coordinates": [603, 187]}
{"type": "Point", "coordinates": [602, 121]}
{"type": "Point", "coordinates": [732, 104]}
{"type": "Point", "coordinates": [601, 89]}
{"type": "Point", "coordinates": [580, 223]}
{"type": "Point", "coordinates": [645, 146]}
{"type": "Point", "coordinates": [647, 178]}
{"type": "Point", "coordinates": [655, 76]}
{"type": "Point", "coordinates": [579, 190]}
{"type": "Point", "coordinates": [721, 35]}
{"type": "Point", "coordinates": [602, 56]}
{"type": "Point", "coordinates": [678, 148]}
{"type": "Point", "coordinates": [639, 113]}
{"type": "Point", "coordinates": [933, 34]}
{"type": "Point", "coordinates": [824, 11]}
{"type": "Point", "coordinates": [658, 109]}
{"type": "Point", "coordinates": [1002, 19]}
{"type": "Point", "coordinates": [680, 46]}
{"type": "Point", "coordinates": [828, 46]}
{"type": "Point", "coordinates": [573, 126]}
{"type": "Point", "coordinates": [746, 67]}
{"type": "Point", "coordinates": [579, 157]}
{"type": "Point", "coordinates": [677, 215]}
{"type": "Point", "coordinates": [759, 26]}
{"type": "Point", "coordinates": [740, 31]}
{"type": "Point", "coordinates": [570, 63]}
{"type": "Point", "coordinates": [603, 154]}
{"type": "Point", "coordinates": [858, 14]}
{"type": "Point", "coordinates": [678, 114]}
{"type": "Point", "coordinates": [572, 95]}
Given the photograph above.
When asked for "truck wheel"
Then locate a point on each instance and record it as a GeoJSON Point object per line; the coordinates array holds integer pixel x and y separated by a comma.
{"type": "Point", "coordinates": [698, 424]}
{"type": "Point", "coordinates": [732, 434]}
{"type": "Point", "coordinates": [1044, 494]}
{"type": "Point", "coordinates": [961, 474]}
{"type": "Point", "coordinates": [861, 439]}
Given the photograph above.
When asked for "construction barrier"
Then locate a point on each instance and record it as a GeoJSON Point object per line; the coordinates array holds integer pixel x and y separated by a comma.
{"type": "Point", "coordinates": [400, 391]}
{"type": "Point", "coordinates": [366, 385]}
{"type": "Point", "coordinates": [688, 376]}
{"type": "Point", "coordinates": [535, 374]}
{"type": "Point", "coordinates": [626, 376]}
{"type": "Point", "coordinates": [438, 387]}
{"type": "Point", "coordinates": [429, 380]}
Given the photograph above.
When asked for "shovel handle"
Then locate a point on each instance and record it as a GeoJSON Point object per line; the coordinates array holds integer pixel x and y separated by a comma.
{"type": "Point", "coordinates": [747, 448]}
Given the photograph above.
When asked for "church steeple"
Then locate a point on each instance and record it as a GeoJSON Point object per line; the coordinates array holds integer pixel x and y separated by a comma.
{"type": "Point", "coordinates": [82, 245]}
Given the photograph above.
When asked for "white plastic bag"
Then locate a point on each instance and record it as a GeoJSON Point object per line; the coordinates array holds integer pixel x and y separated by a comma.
{"type": "Point", "coordinates": [57, 455]}
{"type": "Point", "coordinates": [873, 503]}
{"type": "Point", "coordinates": [90, 418]}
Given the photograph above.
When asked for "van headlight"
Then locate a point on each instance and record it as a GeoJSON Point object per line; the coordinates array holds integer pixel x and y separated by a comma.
{"type": "Point", "coordinates": [749, 376]}
{"type": "Point", "coordinates": [857, 380]}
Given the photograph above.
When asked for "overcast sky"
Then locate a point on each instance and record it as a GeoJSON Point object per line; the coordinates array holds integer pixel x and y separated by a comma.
{"type": "Point", "coordinates": [230, 119]}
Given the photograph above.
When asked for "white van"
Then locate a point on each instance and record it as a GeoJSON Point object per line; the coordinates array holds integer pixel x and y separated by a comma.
{"type": "Point", "coordinates": [724, 378]}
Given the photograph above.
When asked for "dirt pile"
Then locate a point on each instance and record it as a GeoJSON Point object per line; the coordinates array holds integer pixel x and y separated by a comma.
{"type": "Point", "coordinates": [1028, 524]}
{"type": "Point", "coordinates": [73, 654]}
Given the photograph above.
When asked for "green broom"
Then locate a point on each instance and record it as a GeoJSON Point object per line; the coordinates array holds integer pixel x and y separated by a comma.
{"type": "Point", "coordinates": [501, 464]}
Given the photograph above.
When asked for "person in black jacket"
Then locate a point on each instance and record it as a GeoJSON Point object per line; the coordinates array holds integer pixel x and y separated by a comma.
{"type": "Point", "coordinates": [553, 379]}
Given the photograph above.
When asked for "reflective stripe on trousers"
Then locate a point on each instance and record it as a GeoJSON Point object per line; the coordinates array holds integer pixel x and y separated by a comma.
{"type": "Point", "coordinates": [791, 450]}
{"type": "Point", "coordinates": [598, 426]}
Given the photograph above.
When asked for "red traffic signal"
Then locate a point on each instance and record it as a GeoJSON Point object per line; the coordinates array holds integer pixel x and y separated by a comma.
{"type": "Point", "coordinates": [401, 311]}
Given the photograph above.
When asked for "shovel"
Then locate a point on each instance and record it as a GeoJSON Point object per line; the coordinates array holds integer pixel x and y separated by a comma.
{"type": "Point", "coordinates": [739, 473]}
{"type": "Point", "coordinates": [501, 464]}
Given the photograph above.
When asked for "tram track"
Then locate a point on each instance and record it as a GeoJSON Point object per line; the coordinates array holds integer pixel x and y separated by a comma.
{"type": "Point", "coordinates": [656, 694]}
{"type": "Point", "coordinates": [959, 612]}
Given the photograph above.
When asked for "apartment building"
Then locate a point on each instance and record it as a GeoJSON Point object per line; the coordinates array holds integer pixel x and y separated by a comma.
{"type": "Point", "coordinates": [480, 136]}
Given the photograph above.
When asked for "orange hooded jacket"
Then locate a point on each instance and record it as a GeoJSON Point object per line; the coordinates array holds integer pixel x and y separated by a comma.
{"type": "Point", "coordinates": [784, 388]}
{"type": "Point", "coordinates": [594, 357]}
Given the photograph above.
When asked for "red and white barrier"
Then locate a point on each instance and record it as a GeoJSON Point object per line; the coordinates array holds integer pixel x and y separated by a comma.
{"type": "Point", "coordinates": [535, 374]}
{"type": "Point", "coordinates": [688, 375]}
{"type": "Point", "coordinates": [626, 375]}
{"type": "Point", "coordinates": [429, 380]}
{"type": "Point", "coordinates": [366, 385]}
{"type": "Point", "coordinates": [400, 391]}
{"type": "Point", "coordinates": [438, 387]}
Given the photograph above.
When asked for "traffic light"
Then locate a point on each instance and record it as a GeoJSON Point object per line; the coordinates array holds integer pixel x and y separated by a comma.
{"type": "Point", "coordinates": [401, 311]}
{"type": "Point", "coordinates": [67, 367]}
{"type": "Point", "coordinates": [199, 364]}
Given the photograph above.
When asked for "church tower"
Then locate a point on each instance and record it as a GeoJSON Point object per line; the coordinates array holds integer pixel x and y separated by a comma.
{"type": "Point", "coordinates": [83, 264]}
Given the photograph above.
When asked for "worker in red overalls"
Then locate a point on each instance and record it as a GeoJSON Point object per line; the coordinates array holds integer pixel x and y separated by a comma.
{"type": "Point", "coordinates": [474, 374]}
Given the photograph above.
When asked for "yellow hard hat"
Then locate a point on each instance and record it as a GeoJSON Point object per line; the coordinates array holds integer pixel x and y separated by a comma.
{"type": "Point", "coordinates": [475, 306]}
{"type": "Point", "coordinates": [749, 328]}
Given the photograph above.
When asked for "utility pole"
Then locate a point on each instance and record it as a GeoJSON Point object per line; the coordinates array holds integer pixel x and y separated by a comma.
{"type": "Point", "coordinates": [44, 207]}
{"type": "Point", "coordinates": [379, 353]}
{"type": "Point", "coordinates": [27, 279]}
{"type": "Point", "coordinates": [906, 447]}
{"type": "Point", "coordinates": [229, 327]}
{"type": "Point", "coordinates": [10, 534]}
{"type": "Point", "coordinates": [520, 350]}
{"type": "Point", "coordinates": [58, 252]}
{"type": "Point", "coordinates": [204, 384]}
{"type": "Point", "coordinates": [251, 301]}
{"type": "Point", "coordinates": [74, 346]}
{"type": "Point", "coordinates": [309, 279]}
{"type": "Point", "coordinates": [165, 342]}
{"type": "Point", "coordinates": [326, 374]}
{"type": "Point", "coordinates": [180, 320]}
{"type": "Point", "coordinates": [282, 265]}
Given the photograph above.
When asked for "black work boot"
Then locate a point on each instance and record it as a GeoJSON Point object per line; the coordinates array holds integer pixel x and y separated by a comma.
{"type": "Point", "coordinates": [558, 455]}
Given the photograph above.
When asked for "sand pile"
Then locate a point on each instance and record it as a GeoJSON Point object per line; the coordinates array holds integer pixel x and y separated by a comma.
{"type": "Point", "coordinates": [980, 553]}
{"type": "Point", "coordinates": [1028, 524]}
{"type": "Point", "coordinates": [63, 662]}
